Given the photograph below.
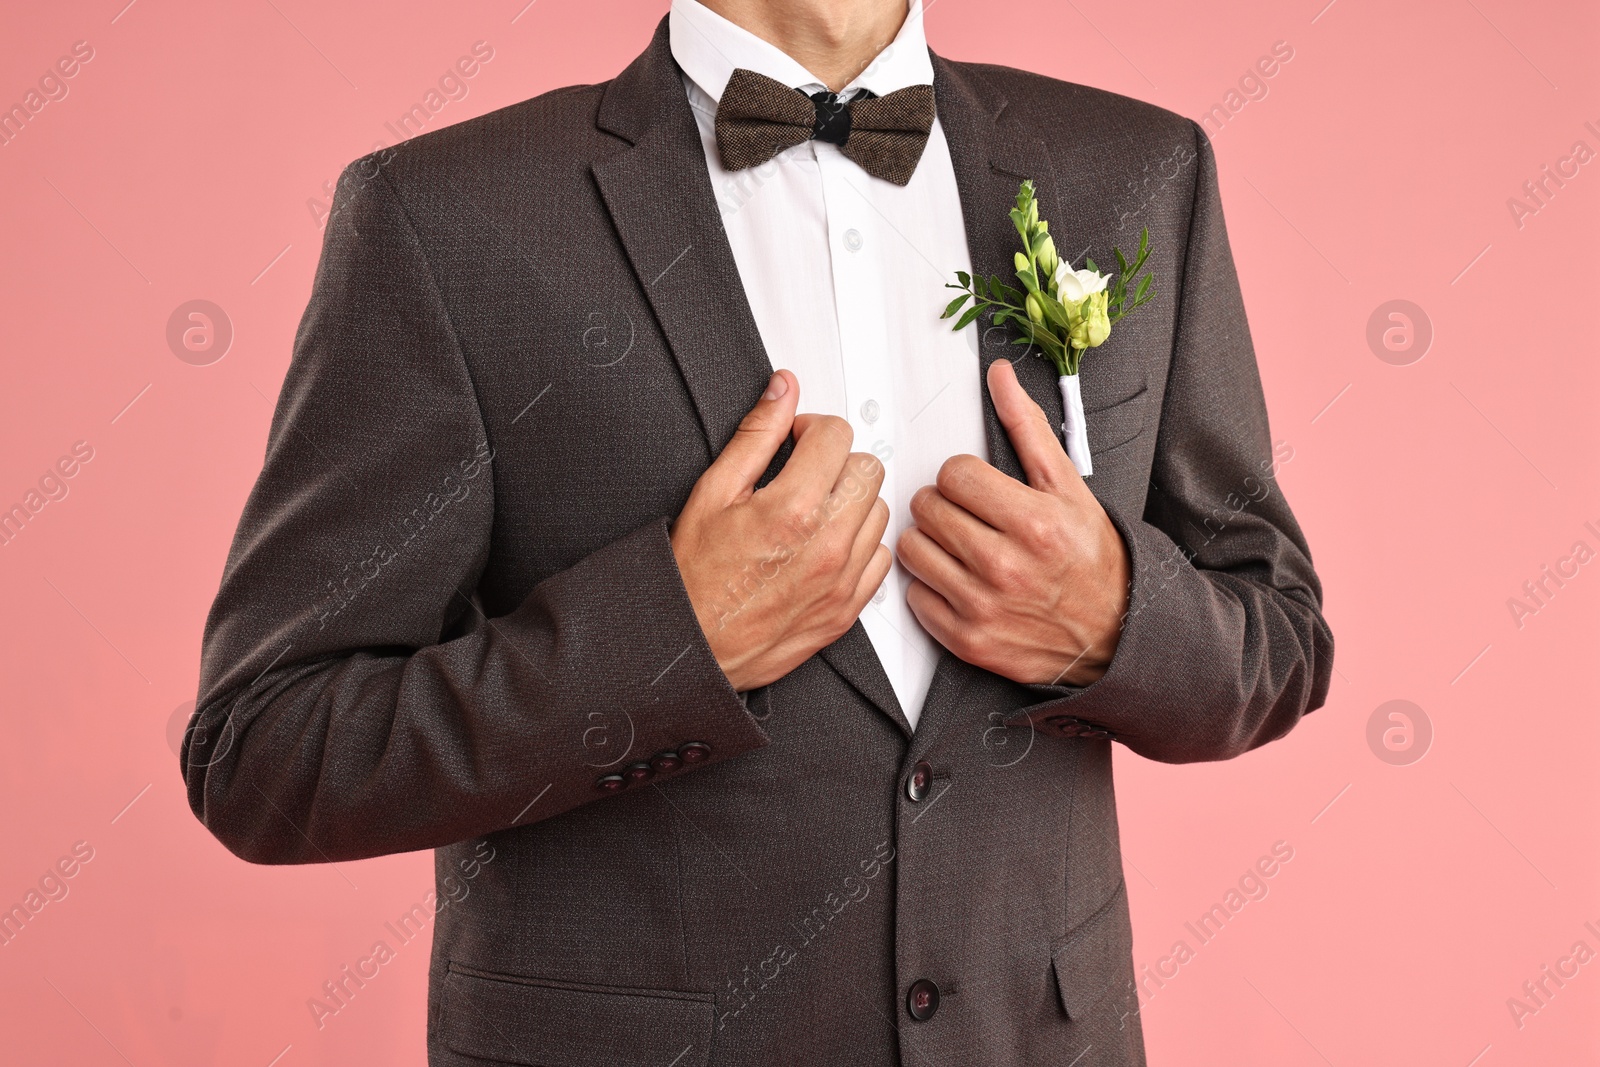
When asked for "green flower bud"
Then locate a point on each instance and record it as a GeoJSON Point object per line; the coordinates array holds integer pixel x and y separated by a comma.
{"type": "Point", "coordinates": [1035, 310]}
{"type": "Point", "coordinates": [1099, 320]}
{"type": "Point", "coordinates": [1092, 325]}
{"type": "Point", "coordinates": [1033, 213]}
{"type": "Point", "coordinates": [1078, 332]}
{"type": "Point", "coordinates": [1047, 255]}
{"type": "Point", "coordinates": [1020, 260]}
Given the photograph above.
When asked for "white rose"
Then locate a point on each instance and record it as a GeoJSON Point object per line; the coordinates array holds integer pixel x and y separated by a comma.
{"type": "Point", "coordinates": [1073, 285]}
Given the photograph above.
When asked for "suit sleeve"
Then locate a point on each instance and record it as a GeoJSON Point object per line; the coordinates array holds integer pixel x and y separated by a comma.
{"type": "Point", "coordinates": [353, 701]}
{"type": "Point", "coordinates": [1224, 646]}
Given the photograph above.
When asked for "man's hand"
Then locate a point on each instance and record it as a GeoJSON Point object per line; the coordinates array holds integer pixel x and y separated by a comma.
{"type": "Point", "coordinates": [1030, 583]}
{"type": "Point", "coordinates": [777, 573]}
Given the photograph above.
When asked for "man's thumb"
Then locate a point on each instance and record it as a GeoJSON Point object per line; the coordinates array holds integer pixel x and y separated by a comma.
{"type": "Point", "coordinates": [759, 436]}
{"type": "Point", "coordinates": [1044, 461]}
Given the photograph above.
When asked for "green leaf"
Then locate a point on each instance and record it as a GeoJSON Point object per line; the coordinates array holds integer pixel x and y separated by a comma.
{"type": "Point", "coordinates": [955, 305]}
{"type": "Point", "coordinates": [967, 316]}
{"type": "Point", "coordinates": [1040, 335]}
{"type": "Point", "coordinates": [1138, 260]}
{"type": "Point", "coordinates": [1087, 262]}
{"type": "Point", "coordinates": [1026, 278]}
{"type": "Point", "coordinates": [964, 278]}
{"type": "Point", "coordinates": [1122, 262]}
{"type": "Point", "coordinates": [1013, 295]}
{"type": "Point", "coordinates": [994, 287]}
{"type": "Point", "coordinates": [1053, 350]}
{"type": "Point", "coordinates": [1054, 312]}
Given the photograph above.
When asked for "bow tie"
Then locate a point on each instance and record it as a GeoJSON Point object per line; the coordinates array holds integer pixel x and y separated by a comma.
{"type": "Point", "coordinates": [759, 117]}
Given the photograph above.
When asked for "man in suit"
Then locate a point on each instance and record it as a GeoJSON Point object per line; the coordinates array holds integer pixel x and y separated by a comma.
{"type": "Point", "coordinates": [784, 700]}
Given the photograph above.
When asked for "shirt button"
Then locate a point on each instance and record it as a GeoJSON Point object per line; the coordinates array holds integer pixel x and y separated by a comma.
{"type": "Point", "coordinates": [922, 999]}
{"type": "Point", "coordinates": [882, 594]}
{"type": "Point", "coordinates": [639, 773]}
{"type": "Point", "coordinates": [870, 411]}
{"type": "Point", "coordinates": [853, 240]}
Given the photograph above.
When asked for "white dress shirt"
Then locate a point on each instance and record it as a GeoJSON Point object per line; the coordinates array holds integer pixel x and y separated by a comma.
{"type": "Point", "coordinates": [845, 275]}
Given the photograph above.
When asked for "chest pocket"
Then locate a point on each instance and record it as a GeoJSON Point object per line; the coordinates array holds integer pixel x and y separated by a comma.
{"type": "Point", "coordinates": [1116, 423]}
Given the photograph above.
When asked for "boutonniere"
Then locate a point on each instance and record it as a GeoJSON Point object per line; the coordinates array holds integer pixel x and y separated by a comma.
{"type": "Point", "coordinates": [1060, 311]}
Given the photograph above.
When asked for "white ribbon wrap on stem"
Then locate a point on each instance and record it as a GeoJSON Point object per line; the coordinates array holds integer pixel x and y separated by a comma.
{"type": "Point", "coordinates": [1075, 429]}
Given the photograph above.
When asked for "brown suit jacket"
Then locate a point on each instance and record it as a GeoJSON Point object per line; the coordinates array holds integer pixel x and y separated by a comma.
{"type": "Point", "coordinates": [451, 613]}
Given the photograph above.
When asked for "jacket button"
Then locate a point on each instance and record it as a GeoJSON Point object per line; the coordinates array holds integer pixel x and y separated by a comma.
{"type": "Point", "coordinates": [694, 752]}
{"type": "Point", "coordinates": [639, 773]}
{"type": "Point", "coordinates": [920, 779]}
{"type": "Point", "coordinates": [922, 999]}
{"type": "Point", "coordinates": [611, 783]}
{"type": "Point", "coordinates": [665, 762]}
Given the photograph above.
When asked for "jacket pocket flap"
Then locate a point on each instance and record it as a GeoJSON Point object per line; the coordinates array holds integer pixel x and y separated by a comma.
{"type": "Point", "coordinates": [1094, 959]}
{"type": "Point", "coordinates": [555, 1024]}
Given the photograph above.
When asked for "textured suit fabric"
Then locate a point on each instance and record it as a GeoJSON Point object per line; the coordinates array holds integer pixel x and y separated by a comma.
{"type": "Point", "coordinates": [451, 606]}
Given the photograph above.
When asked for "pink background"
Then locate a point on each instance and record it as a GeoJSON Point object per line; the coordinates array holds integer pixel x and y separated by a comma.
{"type": "Point", "coordinates": [1377, 167]}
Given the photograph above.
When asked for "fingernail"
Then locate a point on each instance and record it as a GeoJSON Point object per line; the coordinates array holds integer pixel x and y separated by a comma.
{"type": "Point", "coordinates": [776, 387]}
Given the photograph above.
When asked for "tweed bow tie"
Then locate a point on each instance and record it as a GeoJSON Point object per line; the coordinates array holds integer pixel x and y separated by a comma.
{"type": "Point", "coordinates": [759, 117]}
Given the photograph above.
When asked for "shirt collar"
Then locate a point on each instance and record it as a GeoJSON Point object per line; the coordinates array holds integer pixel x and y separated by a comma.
{"type": "Point", "coordinates": [709, 48]}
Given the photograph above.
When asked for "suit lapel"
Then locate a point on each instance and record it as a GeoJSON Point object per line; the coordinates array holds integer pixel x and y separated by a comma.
{"type": "Point", "coordinates": [991, 158]}
{"type": "Point", "coordinates": [661, 201]}
{"type": "Point", "coordinates": [854, 658]}
{"type": "Point", "coordinates": [660, 198]}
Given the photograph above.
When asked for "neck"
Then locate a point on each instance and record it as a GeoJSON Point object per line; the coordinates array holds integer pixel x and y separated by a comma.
{"type": "Point", "coordinates": [834, 39]}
